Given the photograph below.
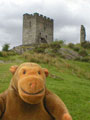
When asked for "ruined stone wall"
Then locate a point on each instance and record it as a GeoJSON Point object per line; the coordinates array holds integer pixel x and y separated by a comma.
{"type": "Point", "coordinates": [37, 29]}
{"type": "Point", "coordinates": [82, 34]}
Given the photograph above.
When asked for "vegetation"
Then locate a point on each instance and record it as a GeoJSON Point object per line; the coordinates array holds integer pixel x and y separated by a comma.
{"type": "Point", "coordinates": [69, 79]}
{"type": "Point", "coordinates": [71, 45]}
{"type": "Point", "coordinates": [54, 46]}
{"type": "Point", "coordinates": [6, 47]}
{"type": "Point", "coordinates": [77, 49]}
{"type": "Point", "coordinates": [7, 53]}
{"type": "Point", "coordinates": [86, 45]}
{"type": "Point", "coordinates": [83, 53]}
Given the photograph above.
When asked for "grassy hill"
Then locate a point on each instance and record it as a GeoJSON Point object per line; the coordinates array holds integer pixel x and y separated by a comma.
{"type": "Point", "coordinates": [69, 79]}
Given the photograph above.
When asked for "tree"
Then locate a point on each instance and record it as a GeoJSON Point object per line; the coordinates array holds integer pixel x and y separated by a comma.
{"type": "Point", "coordinates": [5, 47]}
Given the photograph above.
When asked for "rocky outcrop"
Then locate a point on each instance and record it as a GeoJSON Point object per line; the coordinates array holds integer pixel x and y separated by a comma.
{"type": "Point", "coordinates": [23, 48]}
{"type": "Point", "coordinates": [68, 54]}
{"type": "Point", "coordinates": [63, 52]}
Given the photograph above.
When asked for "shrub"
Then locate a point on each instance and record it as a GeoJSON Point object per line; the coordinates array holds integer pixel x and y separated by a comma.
{"type": "Point", "coordinates": [5, 47]}
{"type": "Point", "coordinates": [39, 50]}
{"type": "Point", "coordinates": [3, 54]}
{"type": "Point", "coordinates": [85, 59]}
{"type": "Point", "coordinates": [71, 45]}
{"type": "Point", "coordinates": [85, 44]}
{"type": "Point", "coordinates": [76, 49]}
{"type": "Point", "coordinates": [55, 45]}
{"type": "Point", "coordinates": [11, 53]}
{"type": "Point", "coordinates": [78, 58]}
{"type": "Point", "coordinates": [45, 45]}
{"type": "Point", "coordinates": [61, 42]}
{"type": "Point", "coordinates": [83, 53]}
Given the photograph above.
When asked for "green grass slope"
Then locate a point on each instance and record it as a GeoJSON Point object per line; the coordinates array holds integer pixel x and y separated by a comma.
{"type": "Point", "coordinates": [70, 80]}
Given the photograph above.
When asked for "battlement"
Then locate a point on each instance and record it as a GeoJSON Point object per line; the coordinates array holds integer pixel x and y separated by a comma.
{"type": "Point", "coordinates": [26, 15]}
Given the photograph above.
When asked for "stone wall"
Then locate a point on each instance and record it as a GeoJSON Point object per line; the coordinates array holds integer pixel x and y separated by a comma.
{"type": "Point", "coordinates": [82, 34]}
{"type": "Point", "coordinates": [37, 29]}
{"type": "Point", "coordinates": [44, 29]}
{"type": "Point", "coordinates": [29, 29]}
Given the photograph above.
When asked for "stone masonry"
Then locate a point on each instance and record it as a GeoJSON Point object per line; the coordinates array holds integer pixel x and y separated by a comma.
{"type": "Point", "coordinates": [37, 29]}
{"type": "Point", "coordinates": [82, 34]}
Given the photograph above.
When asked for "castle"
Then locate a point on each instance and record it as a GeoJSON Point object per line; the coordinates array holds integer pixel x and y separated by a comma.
{"type": "Point", "coordinates": [37, 29]}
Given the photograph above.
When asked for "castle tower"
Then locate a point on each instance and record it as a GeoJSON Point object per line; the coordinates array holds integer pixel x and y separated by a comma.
{"type": "Point", "coordinates": [37, 29]}
{"type": "Point", "coordinates": [82, 34]}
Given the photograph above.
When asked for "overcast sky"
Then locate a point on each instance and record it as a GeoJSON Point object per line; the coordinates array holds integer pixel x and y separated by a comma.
{"type": "Point", "coordinates": [68, 15]}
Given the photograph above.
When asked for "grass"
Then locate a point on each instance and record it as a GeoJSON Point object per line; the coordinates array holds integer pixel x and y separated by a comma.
{"type": "Point", "coordinates": [72, 88]}
{"type": "Point", "coordinates": [74, 91]}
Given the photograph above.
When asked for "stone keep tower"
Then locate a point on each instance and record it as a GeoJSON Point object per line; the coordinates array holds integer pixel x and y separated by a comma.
{"type": "Point", "coordinates": [37, 29]}
{"type": "Point", "coordinates": [82, 34]}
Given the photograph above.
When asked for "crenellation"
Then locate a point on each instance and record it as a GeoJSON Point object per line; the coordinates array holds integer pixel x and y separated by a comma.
{"type": "Point", "coordinates": [41, 15]}
{"type": "Point", "coordinates": [37, 15]}
{"type": "Point", "coordinates": [45, 17]}
{"type": "Point", "coordinates": [51, 20]}
{"type": "Point", "coordinates": [26, 16]}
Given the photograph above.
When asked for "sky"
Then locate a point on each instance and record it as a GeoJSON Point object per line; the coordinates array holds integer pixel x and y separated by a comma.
{"type": "Point", "coordinates": [68, 16]}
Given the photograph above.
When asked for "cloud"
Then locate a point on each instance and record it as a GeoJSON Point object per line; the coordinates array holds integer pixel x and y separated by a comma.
{"type": "Point", "coordinates": [68, 15]}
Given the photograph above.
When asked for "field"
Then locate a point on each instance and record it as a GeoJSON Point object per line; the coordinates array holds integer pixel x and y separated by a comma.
{"type": "Point", "coordinates": [70, 80]}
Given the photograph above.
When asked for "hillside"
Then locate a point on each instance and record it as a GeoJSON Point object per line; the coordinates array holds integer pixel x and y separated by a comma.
{"type": "Point", "coordinates": [69, 79]}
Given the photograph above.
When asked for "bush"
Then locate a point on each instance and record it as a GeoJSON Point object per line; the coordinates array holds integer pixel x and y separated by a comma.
{"type": "Point", "coordinates": [55, 45]}
{"type": "Point", "coordinates": [85, 44]}
{"type": "Point", "coordinates": [45, 45]}
{"type": "Point", "coordinates": [5, 47]}
{"type": "Point", "coordinates": [83, 53]}
{"type": "Point", "coordinates": [85, 59]}
{"type": "Point", "coordinates": [76, 49]}
{"type": "Point", "coordinates": [61, 42]}
{"type": "Point", "coordinates": [3, 54]}
{"type": "Point", "coordinates": [39, 50]}
{"type": "Point", "coordinates": [71, 45]}
{"type": "Point", "coordinates": [11, 53]}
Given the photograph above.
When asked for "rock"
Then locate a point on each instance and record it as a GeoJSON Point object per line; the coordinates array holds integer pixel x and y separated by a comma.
{"type": "Point", "coordinates": [21, 49]}
{"type": "Point", "coordinates": [1, 61]}
{"type": "Point", "coordinates": [68, 54]}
